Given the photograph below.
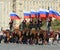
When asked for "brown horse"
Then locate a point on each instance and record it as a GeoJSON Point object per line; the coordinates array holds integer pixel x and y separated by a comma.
{"type": "Point", "coordinates": [19, 34]}
{"type": "Point", "coordinates": [7, 33]}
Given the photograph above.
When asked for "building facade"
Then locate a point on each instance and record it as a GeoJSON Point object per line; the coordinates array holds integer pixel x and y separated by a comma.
{"type": "Point", "coordinates": [27, 5]}
{"type": "Point", "coordinates": [5, 9]}
{"type": "Point", "coordinates": [19, 6]}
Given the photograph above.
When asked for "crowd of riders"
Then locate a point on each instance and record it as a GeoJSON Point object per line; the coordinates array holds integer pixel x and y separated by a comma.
{"type": "Point", "coordinates": [29, 33]}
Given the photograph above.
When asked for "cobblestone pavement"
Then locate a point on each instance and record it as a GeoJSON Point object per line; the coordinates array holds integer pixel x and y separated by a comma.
{"type": "Point", "coordinates": [12, 46]}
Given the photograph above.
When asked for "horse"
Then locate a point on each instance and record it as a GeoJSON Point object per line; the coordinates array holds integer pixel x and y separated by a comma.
{"type": "Point", "coordinates": [6, 36]}
{"type": "Point", "coordinates": [17, 35]}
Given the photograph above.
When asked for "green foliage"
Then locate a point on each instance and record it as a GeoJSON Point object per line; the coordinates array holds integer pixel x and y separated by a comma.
{"type": "Point", "coordinates": [56, 24]}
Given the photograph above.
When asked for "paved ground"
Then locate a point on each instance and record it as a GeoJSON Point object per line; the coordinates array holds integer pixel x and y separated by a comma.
{"type": "Point", "coordinates": [12, 46]}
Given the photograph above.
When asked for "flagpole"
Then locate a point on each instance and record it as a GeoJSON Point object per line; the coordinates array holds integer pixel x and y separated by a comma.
{"type": "Point", "coordinates": [48, 24]}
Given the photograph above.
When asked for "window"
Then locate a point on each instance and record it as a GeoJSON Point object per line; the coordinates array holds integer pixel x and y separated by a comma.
{"type": "Point", "coordinates": [14, 0]}
{"type": "Point", "coordinates": [42, 0]}
{"type": "Point", "coordinates": [20, 10]}
{"type": "Point", "coordinates": [59, 5]}
{"type": "Point", "coordinates": [20, 3]}
{"type": "Point", "coordinates": [25, 3]}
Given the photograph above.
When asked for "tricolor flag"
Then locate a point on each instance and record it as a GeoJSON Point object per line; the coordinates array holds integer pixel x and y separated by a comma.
{"type": "Point", "coordinates": [33, 14]}
{"type": "Point", "coordinates": [14, 16]}
{"type": "Point", "coordinates": [26, 15]}
{"type": "Point", "coordinates": [43, 13]}
{"type": "Point", "coordinates": [53, 13]}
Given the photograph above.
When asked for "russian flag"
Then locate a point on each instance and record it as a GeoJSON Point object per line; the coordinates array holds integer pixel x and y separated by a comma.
{"type": "Point", "coordinates": [33, 14]}
{"type": "Point", "coordinates": [14, 16]}
{"type": "Point", "coordinates": [43, 13]}
{"type": "Point", "coordinates": [53, 13]}
{"type": "Point", "coordinates": [38, 14]}
{"type": "Point", "coordinates": [26, 15]}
